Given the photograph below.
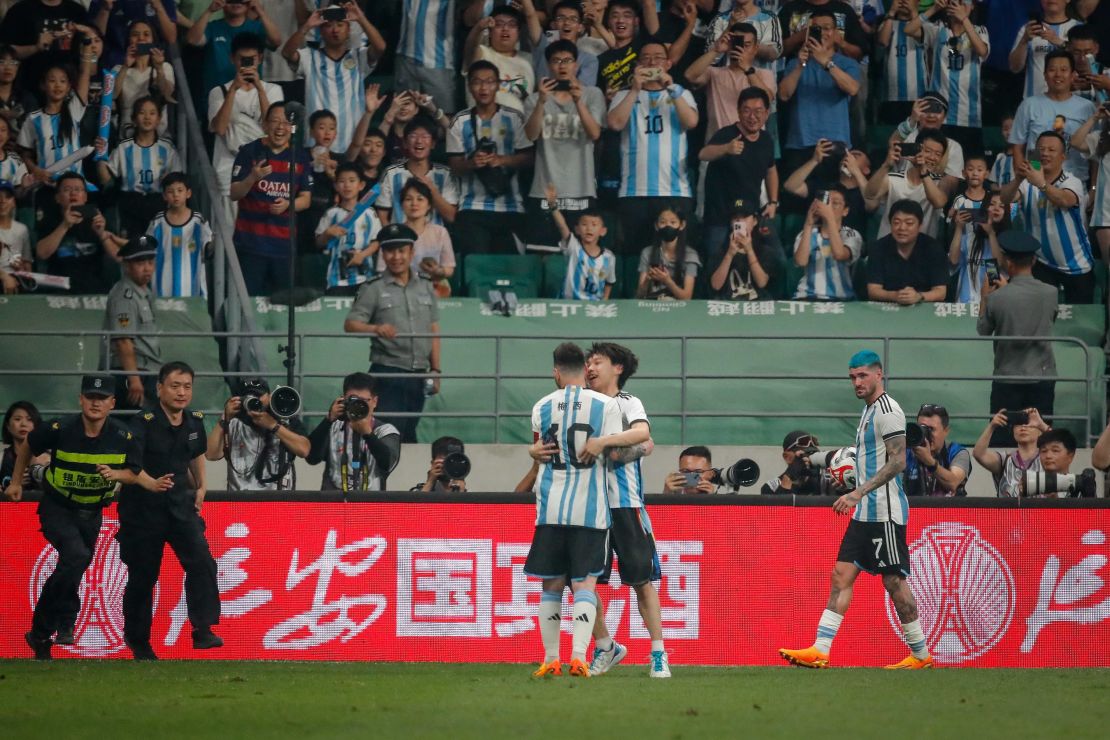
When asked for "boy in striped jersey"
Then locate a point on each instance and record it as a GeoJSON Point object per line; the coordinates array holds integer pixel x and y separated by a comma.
{"type": "Point", "coordinates": [349, 244]}
{"type": "Point", "coordinates": [875, 541]}
{"type": "Point", "coordinates": [1002, 171]}
{"type": "Point", "coordinates": [183, 238]}
{"type": "Point", "coordinates": [827, 250]}
{"type": "Point", "coordinates": [572, 427]}
{"type": "Point", "coordinates": [591, 270]}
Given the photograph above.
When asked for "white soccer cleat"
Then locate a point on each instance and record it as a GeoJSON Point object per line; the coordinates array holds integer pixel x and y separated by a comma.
{"type": "Point", "coordinates": [660, 666]}
{"type": "Point", "coordinates": [603, 660]}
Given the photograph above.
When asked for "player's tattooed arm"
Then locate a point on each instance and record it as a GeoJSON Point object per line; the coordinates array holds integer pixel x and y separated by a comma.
{"type": "Point", "coordinates": [895, 464]}
{"type": "Point", "coordinates": [631, 454]}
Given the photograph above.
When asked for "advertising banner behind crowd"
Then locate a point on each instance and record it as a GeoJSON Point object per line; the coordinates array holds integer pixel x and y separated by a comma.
{"type": "Point", "coordinates": [443, 582]}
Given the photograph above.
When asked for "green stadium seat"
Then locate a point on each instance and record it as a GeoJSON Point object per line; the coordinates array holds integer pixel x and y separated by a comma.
{"type": "Point", "coordinates": [482, 271]}
{"type": "Point", "coordinates": [877, 137]}
{"type": "Point", "coordinates": [629, 274]}
{"type": "Point", "coordinates": [554, 273]}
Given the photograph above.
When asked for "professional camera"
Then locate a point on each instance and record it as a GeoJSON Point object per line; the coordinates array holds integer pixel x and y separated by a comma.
{"type": "Point", "coordinates": [355, 408]}
{"type": "Point", "coordinates": [1039, 482]}
{"type": "Point", "coordinates": [742, 473]}
{"type": "Point", "coordinates": [285, 402]}
{"type": "Point", "coordinates": [456, 465]}
{"type": "Point", "coordinates": [252, 391]}
{"type": "Point", "coordinates": [917, 435]}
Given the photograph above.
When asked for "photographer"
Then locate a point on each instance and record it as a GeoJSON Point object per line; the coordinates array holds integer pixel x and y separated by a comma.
{"type": "Point", "coordinates": [800, 477]}
{"type": "Point", "coordinates": [934, 466]}
{"type": "Point", "coordinates": [358, 452]}
{"type": "Point", "coordinates": [258, 444]}
{"type": "Point", "coordinates": [1008, 469]}
{"type": "Point", "coordinates": [695, 472]}
{"type": "Point", "coordinates": [444, 475]}
{"type": "Point", "coordinates": [1057, 453]}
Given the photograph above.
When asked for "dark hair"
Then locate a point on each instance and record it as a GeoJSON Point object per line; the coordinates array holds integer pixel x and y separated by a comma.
{"type": "Point", "coordinates": [836, 187]}
{"type": "Point", "coordinates": [247, 40]}
{"type": "Point", "coordinates": [627, 5]}
{"type": "Point", "coordinates": [349, 167]}
{"type": "Point", "coordinates": [174, 178]}
{"type": "Point", "coordinates": [652, 40]}
{"type": "Point", "coordinates": [508, 10]}
{"type": "Point", "coordinates": [977, 157]}
{"type": "Point", "coordinates": [276, 104]}
{"type": "Point", "coordinates": [569, 357]}
{"type": "Point", "coordinates": [1063, 436]}
{"type": "Point", "coordinates": [36, 417]}
{"type": "Point", "coordinates": [6, 50]}
{"type": "Point", "coordinates": [418, 186]}
{"type": "Point", "coordinates": [822, 12]}
{"type": "Point", "coordinates": [1055, 135]}
{"type": "Point", "coordinates": [444, 445]}
{"type": "Point", "coordinates": [140, 102]}
{"type": "Point", "coordinates": [574, 5]}
{"type": "Point", "coordinates": [979, 239]}
{"type": "Point", "coordinates": [744, 27]}
{"type": "Point", "coordinates": [933, 134]}
{"type": "Point", "coordinates": [679, 271]}
{"type": "Point", "coordinates": [176, 366]}
{"type": "Point", "coordinates": [560, 45]}
{"type": "Point", "coordinates": [421, 121]}
{"type": "Point", "coordinates": [1103, 146]}
{"type": "Point", "coordinates": [908, 207]}
{"type": "Point", "coordinates": [70, 175]}
{"type": "Point", "coordinates": [753, 93]}
{"type": "Point", "coordinates": [479, 66]}
{"type": "Point", "coordinates": [697, 451]}
{"type": "Point", "coordinates": [1084, 32]}
{"type": "Point", "coordinates": [618, 355]}
{"type": "Point", "coordinates": [1059, 54]}
{"type": "Point", "coordinates": [932, 409]}
{"type": "Point", "coordinates": [321, 115]}
{"type": "Point", "coordinates": [592, 213]}
{"type": "Point", "coordinates": [65, 118]}
{"type": "Point", "coordinates": [360, 382]}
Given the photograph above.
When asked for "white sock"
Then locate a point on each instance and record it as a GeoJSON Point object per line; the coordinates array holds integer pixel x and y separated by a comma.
{"type": "Point", "coordinates": [604, 643]}
{"type": "Point", "coordinates": [827, 629]}
{"type": "Point", "coordinates": [584, 614]}
{"type": "Point", "coordinates": [551, 603]}
{"type": "Point", "coordinates": [915, 638]}
{"type": "Point", "coordinates": [657, 646]}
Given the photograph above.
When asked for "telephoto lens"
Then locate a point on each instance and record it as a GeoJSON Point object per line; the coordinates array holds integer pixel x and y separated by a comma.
{"type": "Point", "coordinates": [355, 408]}
{"type": "Point", "coordinates": [253, 404]}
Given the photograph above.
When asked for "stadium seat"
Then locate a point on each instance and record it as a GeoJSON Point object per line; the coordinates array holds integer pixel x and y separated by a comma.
{"type": "Point", "coordinates": [554, 273]}
{"type": "Point", "coordinates": [482, 271]}
{"type": "Point", "coordinates": [629, 274]}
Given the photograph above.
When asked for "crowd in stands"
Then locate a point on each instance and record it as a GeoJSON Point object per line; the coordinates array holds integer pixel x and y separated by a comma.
{"type": "Point", "coordinates": [826, 150]}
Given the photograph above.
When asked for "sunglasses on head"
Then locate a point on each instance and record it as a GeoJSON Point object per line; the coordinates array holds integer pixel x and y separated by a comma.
{"type": "Point", "coordinates": [803, 442]}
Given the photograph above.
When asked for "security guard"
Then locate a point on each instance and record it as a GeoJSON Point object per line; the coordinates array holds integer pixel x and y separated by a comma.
{"type": "Point", "coordinates": [86, 451]}
{"type": "Point", "coordinates": [171, 442]}
{"type": "Point", "coordinates": [399, 301]}
{"type": "Point", "coordinates": [131, 309]}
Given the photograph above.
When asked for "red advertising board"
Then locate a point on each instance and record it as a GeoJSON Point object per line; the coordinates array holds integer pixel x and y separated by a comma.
{"type": "Point", "coordinates": [443, 582]}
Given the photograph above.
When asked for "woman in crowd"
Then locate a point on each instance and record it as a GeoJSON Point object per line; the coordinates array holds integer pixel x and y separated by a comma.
{"type": "Point", "coordinates": [668, 267]}
{"type": "Point", "coordinates": [752, 259]}
{"type": "Point", "coordinates": [20, 420]}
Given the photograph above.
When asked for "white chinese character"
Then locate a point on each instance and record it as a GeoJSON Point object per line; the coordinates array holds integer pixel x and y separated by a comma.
{"type": "Point", "coordinates": [564, 310]}
{"type": "Point", "coordinates": [458, 574]}
{"type": "Point", "coordinates": [524, 600]}
{"type": "Point", "coordinates": [601, 310]}
{"type": "Point", "coordinates": [828, 307]}
{"type": "Point", "coordinates": [758, 308]}
{"type": "Point", "coordinates": [1064, 312]}
{"type": "Point", "coordinates": [973, 309]}
{"type": "Point", "coordinates": [1079, 583]}
{"type": "Point", "coordinates": [61, 301]}
{"type": "Point", "coordinates": [94, 302]}
{"type": "Point", "coordinates": [485, 310]}
{"type": "Point", "coordinates": [531, 310]}
{"type": "Point", "coordinates": [793, 307]}
{"type": "Point", "coordinates": [940, 310]}
{"type": "Point", "coordinates": [722, 308]}
{"type": "Point", "coordinates": [326, 620]}
{"type": "Point", "coordinates": [312, 306]}
{"type": "Point", "coordinates": [338, 303]}
{"type": "Point", "coordinates": [681, 586]}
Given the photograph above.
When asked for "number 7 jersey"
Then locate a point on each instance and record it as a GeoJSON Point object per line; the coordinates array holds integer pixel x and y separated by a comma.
{"type": "Point", "coordinates": [570, 493]}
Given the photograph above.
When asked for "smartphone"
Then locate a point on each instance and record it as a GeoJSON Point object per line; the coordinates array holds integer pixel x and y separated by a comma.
{"type": "Point", "coordinates": [934, 106]}
{"type": "Point", "coordinates": [141, 49]}
{"type": "Point", "coordinates": [815, 33]}
{"type": "Point", "coordinates": [909, 149]}
{"type": "Point", "coordinates": [992, 272]}
{"type": "Point", "coordinates": [562, 85]}
{"type": "Point", "coordinates": [652, 73]}
{"type": "Point", "coordinates": [692, 479]}
{"type": "Point", "coordinates": [334, 13]}
{"type": "Point", "coordinates": [980, 214]}
{"type": "Point", "coordinates": [839, 151]}
{"type": "Point", "coordinates": [738, 43]}
{"type": "Point", "coordinates": [245, 62]}
{"type": "Point", "coordinates": [824, 197]}
{"type": "Point", "coordinates": [740, 227]}
{"type": "Point", "coordinates": [1035, 164]}
{"type": "Point", "coordinates": [88, 210]}
{"type": "Point", "coordinates": [1017, 418]}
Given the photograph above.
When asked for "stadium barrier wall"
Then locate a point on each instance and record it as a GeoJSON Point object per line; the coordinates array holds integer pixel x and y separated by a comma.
{"type": "Point", "coordinates": [402, 577]}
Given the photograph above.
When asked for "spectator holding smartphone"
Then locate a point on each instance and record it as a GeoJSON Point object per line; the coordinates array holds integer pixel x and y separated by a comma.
{"type": "Point", "coordinates": [143, 73]}
{"type": "Point", "coordinates": [1008, 468]}
{"type": "Point", "coordinates": [1044, 33]}
{"type": "Point", "coordinates": [116, 21]}
{"type": "Point", "coordinates": [74, 238]}
{"type": "Point", "coordinates": [218, 36]}
{"type": "Point", "coordinates": [515, 74]}
{"type": "Point", "coordinates": [826, 250]}
{"type": "Point", "coordinates": [750, 262]}
{"type": "Point", "coordinates": [855, 168]}
{"type": "Point", "coordinates": [911, 171]}
{"type": "Point", "coordinates": [974, 253]}
{"type": "Point", "coordinates": [695, 472]}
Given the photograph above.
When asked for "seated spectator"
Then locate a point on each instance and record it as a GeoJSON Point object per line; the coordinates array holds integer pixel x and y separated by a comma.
{"type": "Point", "coordinates": [851, 176]}
{"type": "Point", "coordinates": [184, 242]}
{"type": "Point", "coordinates": [420, 140]}
{"type": "Point", "coordinates": [802, 477]}
{"type": "Point", "coordinates": [515, 75]}
{"type": "Point", "coordinates": [1002, 170]}
{"type": "Point", "coordinates": [136, 167]}
{"type": "Point", "coordinates": [695, 472]}
{"type": "Point", "coordinates": [566, 25]}
{"type": "Point", "coordinates": [236, 110]}
{"type": "Point", "coordinates": [20, 420]}
{"type": "Point", "coordinates": [348, 235]}
{"type": "Point", "coordinates": [827, 249]}
{"type": "Point", "coordinates": [358, 451]}
{"type": "Point", "coordinates": [15, 241]}
{"type": "Point", "coordinates": [905, 70]}
{"type": "Point", "coordinates": [74, 243]}
{"type": "Point", "coordinates": [1092, 78]}
{"type": "Point", "coordinates": [403, 108]}
{"type": "Point", "coordinates": [116, 21]}
{"type": "Point", "coordinates": [668, 267]}
{"type": "Point", "coordinates": [437, 480]}
{"type": "Point", "coordinates": [751, 262]}
{"type": "Point", "coordinates": [12, 168]}
{"type": "Point", "coordinates": [651, 116]}
{"type": "Point", "coordinates": [217, 37]}
{"type": "Point", "coordinates": [974, 253]}
{"type": "Point", "coordinates": [1044, 33]}
{"type": "Point", "coordinates": [906, 266]}
{"type": "Point", "coordinates": [143, 73]}
{"type": "Point", "coordinates": [1095, 145]}
{"type": "Point", "coordinates": [740, 47]}
{"type": "Point", "coordinates": [1009, 468]}
{"type": "Point", "coordinates": [936, 467]}
{"type": "Point", "coordinates": [1053, 205]}
{"type": "Point", "coordinates": [335, 74]}
{"type": "Point", "coordinates": [591, 269]}
{"type": "Point", "coordinates": [486, 147]}
{"type": "Point", "coordinates": [928, 114]}
{"type": "Point", "coordinates": [16, 101]}
{"type": "Point", "coordinates": [918, 179]}
{"type": "Point", "coordinates": [1057, 110]}
{"type": "Point", "coordinates": [433, 255]}
{"type": "Point", "coordinates": [61, 113]}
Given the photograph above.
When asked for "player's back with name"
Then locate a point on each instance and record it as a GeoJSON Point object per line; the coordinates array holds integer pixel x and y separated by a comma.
{"type": "Point", "coordinates": [568, 492]}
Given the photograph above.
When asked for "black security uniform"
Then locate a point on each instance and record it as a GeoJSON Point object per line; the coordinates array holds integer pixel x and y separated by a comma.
{"type": "Point", "coordinates": [149, 520]}
{"type": "Point", "coordinates": [70, 511]}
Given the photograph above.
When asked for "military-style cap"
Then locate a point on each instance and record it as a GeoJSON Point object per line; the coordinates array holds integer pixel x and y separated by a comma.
{"type": "Point", "coordinates": [98, 385]}
{"type": "Point", "coordinates": [143, 248]}
{"type": "Point", "coordinates": [1018, 242]}
{"type": "Point", "coordinates": [395, 236]}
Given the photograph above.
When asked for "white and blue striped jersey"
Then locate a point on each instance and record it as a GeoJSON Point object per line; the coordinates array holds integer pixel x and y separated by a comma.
{"type": "Point", "coordinates": [1041, 113]}
{"type": "Point", "coordinates": [337, 85]}
{"type": "Point", "coordinates": [626, 480]}
{"type": "Point", "coordinates": [587, 276]}
{"type": "Point", "coordinates": [569, 493]}
{"type": "Point", "coordinates": [428, 33]}
{"type": "Point", "coordinates": [179, 263]}
{"type": "Point", "coordinates": [42, 133]}
{"type": "Point", "coordinates": [1002, 171]}
{"type": "Point", "coordinates": [1062, 233]}
{"type": "Point", "coordinates": [653, 146]}
{"type": "Point", "coordinates": [360, 233]}
{"type": "Point", "coordinates": [905, 66]}
{"type": "Point", "coordinates": [395, 177]}
{"type": "Point", "coordinates": [1037, 50]}
{"type": "Point", "coordinates": [140, 169]}
{"type": "Point", "coordinates": [1092, 93]}
{"type": "Point", "coordinates": [970, 272]}
{"type": "Point", "coordinates": [881, 421]}
{"type": "Point", "coordinates": [1100, 215]}
{"type": "Point", "coordinates": [506, 130]}
{"type": "Point", "coordinates": [357, 36]}
{"type": "Point", "coordinates": [12, 168]}
{"type": "Point", "coordinates": [826, 277]}
{"type": "Point", "coordinates": [956, 72]}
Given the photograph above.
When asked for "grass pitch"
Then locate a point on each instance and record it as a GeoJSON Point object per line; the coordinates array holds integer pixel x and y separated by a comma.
{"type": "Point", "coordinates": [250, 699]}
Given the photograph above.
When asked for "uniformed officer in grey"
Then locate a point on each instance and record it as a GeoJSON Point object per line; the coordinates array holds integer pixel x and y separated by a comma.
{"type": "Point", "coordinates": [131, 309]}
{"type": "Point", "coordinates": [1020, 306]}
{"type": "Point", "coordinates": [391, 307]}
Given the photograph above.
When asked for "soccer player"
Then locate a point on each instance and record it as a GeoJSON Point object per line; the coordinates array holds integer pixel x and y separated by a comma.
{"type": "Point", "coordinates": [183, 238]}
{"type": "Point", "coordinates": [572, 427]}
{"type": "Point", "coordinates": [875, 541]}
{"type": "Point", "coordinates": [608, 368]}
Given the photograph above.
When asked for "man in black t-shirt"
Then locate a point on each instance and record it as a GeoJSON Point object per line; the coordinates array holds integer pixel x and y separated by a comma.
{"type": "Point", "coordinates": [37, 29]}
{"type": "Point", "coordinates": [73, 237]}
{"type": "Point", "coordinates": [906, 266]}
{"type": "Point", "coordinates": [794, 19]}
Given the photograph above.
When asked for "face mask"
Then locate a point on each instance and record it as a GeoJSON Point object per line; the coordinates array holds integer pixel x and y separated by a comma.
{"type": "Point", "coordinates": [668, 233]}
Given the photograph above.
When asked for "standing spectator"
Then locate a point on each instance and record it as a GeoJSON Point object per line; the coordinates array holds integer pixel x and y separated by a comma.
{"type": "Point", "coordinates": [399, 302]}
{"type": "Point", "coordinates": [974, 246]}
{"type": "Point", "coordinates": [852, 176]}
{"type": "Point", "coordinates": [826, 250]}
{"type": "Point", "coordinates": [335, 74]}
{"type": "Point", "coordinates": [936, 467]}
{"type": "Point", "coordinates": [116, 19]}
{"type": "Point", "coordinates": [1004, 20]}
{"type": "Point", "coordinates": [236, 109]}
{"type": "Point", "coordinates": [52, 133]}
{"type": "Point", "coordinates": [1058, 110]}
{"type": "Point", "coordinates": [1096, 146]}
{"type": "Point", "coordinates": [348, 235]}
{"type": "Point", "coordinates": [591, 269]}
{"type": "Point", "coordinates": [1002, 171]}
{"type": "Point", "coordinates": [766, 25]}
{"type": "Point", "coordinates": [631, 23]}
{"type": "Point", "coordinates": [420, 140]}
{"type": "Point", "coordinates": [1036, 40]}
{"type": "Point", "coordinates": [958, 48]}
{"type": "Point", "coordinates": [217, 36]}
{"type": "Point", "coordinates": [904, 74]}
{"type": "Point", "coordinates": [652, 116]}
{"type": "Point", "coordinates": [823, 80]}
{"type": "Point", "coordinates": [433, 255]}
{"type": "Point", "coordinates": [134, 352]}
{"type": "Point", "coordinates": [403, 108]}
{"type": "Point", "coordinates": [1009, 469]}
{"type": "Point", "coordinates": [739, 46]}
{"type": "Point", "coordinates": [516, 78]}
{"type": "Point", "coordinates": [906, 266]}
{"type": "Point", "coordinates": [37, 31]}
{"type": "Point", "coordinates": [183, 240]}
{"type": "Point", "coordinates": [928, 114]}
{"type": "Point", "coordinates": [1053, 204]}
{"type": "Point", "coordinates": [260, 182]}
{"type": "Point", "coordinates": [73, 242]}
{"type": "Point", "coordinates": [797, 17]}
{"type": "Point", "coordinates": [426, 51]}
{"type": "Point", "coordinates": [566, 25]}
{"type": "Point", "coordinates": [918, 180]}
{"type": "Point", "coordinates": [751, 261]}
{"type": "Point", "coordinates": [144, 72]}
{"type": "Point", "coordinates": [668, 267]}
{"type": "Point", "coordinates": [486, 146]}
{"type": "Point", "coordinates": [1021, 306]}
{"type": "Point", "coordinates": [1093, 81]}
{"type": "Point", "coordinates": [16, 101]}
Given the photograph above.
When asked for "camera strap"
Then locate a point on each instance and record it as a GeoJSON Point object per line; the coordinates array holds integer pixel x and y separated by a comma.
{"type": "Point", "coordinates": [353, 473]}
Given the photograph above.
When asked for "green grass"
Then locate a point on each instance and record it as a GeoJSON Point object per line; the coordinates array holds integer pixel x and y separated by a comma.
{"type": "Point", "coordinates": [299, 700]}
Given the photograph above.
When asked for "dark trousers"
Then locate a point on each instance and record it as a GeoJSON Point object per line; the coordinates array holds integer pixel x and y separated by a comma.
{"type": "Point", "coordinates": [399, 394]}
{"type": "Point", "coordinates": [264, 275]}
{"type": "Point", "coordinates": [1077, 288]}
{"type": "Point", "coordinates": [150, 389]}
{"type": "Point", "coordinates": [638, 215]}
{"type": "Point", "coordinates": [146, 525]}
{"type": "Point", "coordinates": [482, 232]}
{"type": "Point", "coordinates": [1040, 395]}
{"type": "Point", "coordinates": [72, 532]}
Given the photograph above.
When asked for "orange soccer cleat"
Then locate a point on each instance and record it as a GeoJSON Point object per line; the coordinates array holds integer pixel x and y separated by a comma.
{"type": "Point", "coordinates": [546, 670]}
{"type": "Point", "coordinates": [808, 657]}
{"type": "Point", "coordinates": [911, 663]}
{"type": "Point", "coordinates": [579, 668]}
